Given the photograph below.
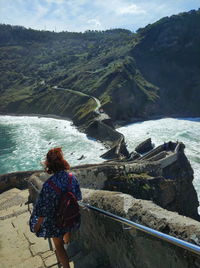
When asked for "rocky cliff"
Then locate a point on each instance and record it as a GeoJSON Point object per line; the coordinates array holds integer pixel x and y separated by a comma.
{"type": "Point", "coordinates": [168, 57]}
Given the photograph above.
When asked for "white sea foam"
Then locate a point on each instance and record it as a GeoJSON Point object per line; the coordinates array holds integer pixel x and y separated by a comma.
{"type": "Point", "coordinates": [24, 141]}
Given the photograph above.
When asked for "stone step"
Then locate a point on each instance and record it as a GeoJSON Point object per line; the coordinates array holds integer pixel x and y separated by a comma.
{"type": "Point", "coordinates": [18, 246]}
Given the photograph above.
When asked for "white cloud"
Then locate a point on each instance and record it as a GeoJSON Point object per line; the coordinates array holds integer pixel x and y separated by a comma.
{"type": "Point", "coordinates": [55, 1]}
{"type": "Point", "coordinates": [94, 22]}
{"type": "Point", "coordinates": [131, 9]}
{"type": "Point", "coordinates": [41, 10]}
{"type": "Point", "coordinates": [81, 15]}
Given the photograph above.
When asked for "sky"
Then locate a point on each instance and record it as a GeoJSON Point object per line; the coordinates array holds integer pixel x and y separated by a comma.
{"type": "Point", "coordinates": [82, 15]}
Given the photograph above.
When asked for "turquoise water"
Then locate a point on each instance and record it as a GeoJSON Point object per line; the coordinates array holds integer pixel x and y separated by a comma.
{"type": "Point", "coordinates": [24, 142]}
{"type": "Point", "coordinates": [186, 130]}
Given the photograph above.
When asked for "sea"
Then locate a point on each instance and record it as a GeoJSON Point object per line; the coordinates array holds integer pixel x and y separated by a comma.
{"type": "Point", "coordinates": [25, 140]}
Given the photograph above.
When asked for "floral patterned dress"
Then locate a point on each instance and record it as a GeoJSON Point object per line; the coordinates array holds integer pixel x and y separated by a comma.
{"type": "Point", "coordinates": [47, 203]}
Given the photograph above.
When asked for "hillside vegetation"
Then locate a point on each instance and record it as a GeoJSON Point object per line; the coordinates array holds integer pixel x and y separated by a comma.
{"type": "Point", "coordinates": [135, 75]}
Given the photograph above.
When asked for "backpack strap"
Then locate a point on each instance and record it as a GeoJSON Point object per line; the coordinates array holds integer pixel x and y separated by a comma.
{"type": "Point", "coordinates": [57, 189]}
{"type": "Point", "coordinates": [70, 182]}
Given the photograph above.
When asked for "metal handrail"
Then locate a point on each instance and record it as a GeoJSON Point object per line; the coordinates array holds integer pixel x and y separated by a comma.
{"type": "Point", "coordinates": [165, 237]}
{"type": "Point", "coordinates": [170, 239]}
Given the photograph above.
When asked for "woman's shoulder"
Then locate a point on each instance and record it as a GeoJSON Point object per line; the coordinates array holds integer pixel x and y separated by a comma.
{"type": "Point", "coordinates": [49, 179]}
{"type": "Point", "coordinates": [47, 184]}
{"type": "Point", "coordinates": [61, 177]}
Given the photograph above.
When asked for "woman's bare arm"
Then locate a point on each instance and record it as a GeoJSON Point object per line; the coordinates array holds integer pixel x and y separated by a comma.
{"type": "Point", "coordinates": [38, 224]}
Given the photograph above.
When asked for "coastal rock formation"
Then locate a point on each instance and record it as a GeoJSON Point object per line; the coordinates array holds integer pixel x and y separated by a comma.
{"type": "Point", "coordinates": [163, 176]}
{"type": "Point", "coordinates": [118, 151]}
{"type": "Point", "coordinates": [168, 57]}
{"type": "Point", "coordinates": [144, 147]}
{"type": "Point", "coordinates": [105, 133]}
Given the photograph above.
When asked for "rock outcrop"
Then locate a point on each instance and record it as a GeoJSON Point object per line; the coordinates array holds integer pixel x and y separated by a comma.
{"type": "Point", "coordinates": [163, 176]}
{"type": "Point", "coordinates": [167, 55]}
{"type": "Point", "coordinates": [105, 133]}
{"type": "Point", "coordinates": [144, 147]}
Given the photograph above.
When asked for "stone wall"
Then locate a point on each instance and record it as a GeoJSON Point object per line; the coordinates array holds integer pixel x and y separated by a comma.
{"type": "Point", "coordinates": [111, 245]}
{"type": "Point", "coordinates": [14, 180]}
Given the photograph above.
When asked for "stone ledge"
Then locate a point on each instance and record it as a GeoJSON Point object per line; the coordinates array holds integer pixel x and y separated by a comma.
{"type": "Point", "coordinates": [117, 247]}
{"type": "Point", "coordinates": [145, 212]}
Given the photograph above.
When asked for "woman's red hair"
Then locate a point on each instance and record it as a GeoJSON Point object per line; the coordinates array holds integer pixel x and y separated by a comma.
{"type": "Point", "coordinates": [55, 161]}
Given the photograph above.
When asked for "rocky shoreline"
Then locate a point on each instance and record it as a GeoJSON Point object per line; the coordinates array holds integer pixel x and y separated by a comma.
{"type": "Point", "coordinates": [104, 131]}
{"type": "Point", "coordinates": [101, 130]}
{"type": "Point", "coordinates": [38, 115]}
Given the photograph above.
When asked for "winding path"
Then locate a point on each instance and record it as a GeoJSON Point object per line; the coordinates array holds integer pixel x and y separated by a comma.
{"type": "Point", "coordinates": [101, 114]}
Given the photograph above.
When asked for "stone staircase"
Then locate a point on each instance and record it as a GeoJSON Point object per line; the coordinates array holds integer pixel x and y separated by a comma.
{"type": "Point", "coordinates": [18, 246]}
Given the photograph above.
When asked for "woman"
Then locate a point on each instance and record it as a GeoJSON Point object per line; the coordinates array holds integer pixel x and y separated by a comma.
{"type": "Point", "coordinates": [43, 217]}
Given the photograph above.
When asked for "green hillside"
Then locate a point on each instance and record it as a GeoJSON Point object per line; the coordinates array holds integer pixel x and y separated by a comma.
{"type": "Point", "coordinates": [135, 75]}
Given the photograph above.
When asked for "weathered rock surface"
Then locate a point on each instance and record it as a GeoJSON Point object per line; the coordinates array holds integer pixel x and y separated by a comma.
{"type": "Point", "coordinates": [118, 151]}
{"type": "Point", "coordinates": [105, 133]}
{"type": "Point", "coordinates": [144, 212]}
{"type": "Point", "coordinates": [118, 247]}
{"type": "Point", "coordinates": [133, 156]}
{"type": "Point", "coordinates": [144, 147]}
{"type": "Point", "coordinates": [144, 186]}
